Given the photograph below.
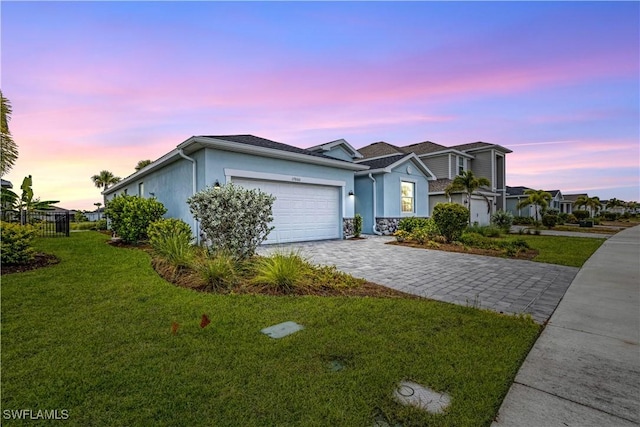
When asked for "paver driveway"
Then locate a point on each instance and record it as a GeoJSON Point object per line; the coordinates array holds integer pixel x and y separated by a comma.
{"type": "Point", "coordinates": [503, 285]}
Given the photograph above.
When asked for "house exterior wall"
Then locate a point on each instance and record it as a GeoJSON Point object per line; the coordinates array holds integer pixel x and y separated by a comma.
{"type": "Point", "coordinates": [481, 166]}
{"type": "Point", "coordinates": [441, 198]}
{"type": "Point", "coordinates": [172, 183]}
{"type": "Point", "coordinates": [364, 200]}
{"type": "Point", "coordinates": [392, 207]}
{"type": "Point", "coordinates": [438, 165]}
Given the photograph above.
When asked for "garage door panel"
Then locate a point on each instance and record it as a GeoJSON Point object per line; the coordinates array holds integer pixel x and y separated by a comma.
{"type": "Point", "coordinates": [301, 211]}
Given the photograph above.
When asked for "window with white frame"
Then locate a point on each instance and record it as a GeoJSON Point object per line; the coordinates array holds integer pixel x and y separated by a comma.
{"type": "Point", "coordinates": [460, 165]}
{"type": "Point", "coordinates": [141, 189]}
{"type": "Point", "coordinates": [407, 192]}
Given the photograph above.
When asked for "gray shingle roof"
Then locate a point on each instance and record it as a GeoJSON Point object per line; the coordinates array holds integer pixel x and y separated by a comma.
{"type": "Point", "coordinates": [379, 149]}
{"type": "Point", "coordinates": [516, 191]}
{"type": "Point", "coordinates": [478, 145]}
{"type": "Point", "coordinates": [424, 148]}
{"type": "Point", "coordinates": [266, 143]}
{"type": "Point", "coordinates": [439, 185]}
{"type": "Point", "coordinates": [382, 162]}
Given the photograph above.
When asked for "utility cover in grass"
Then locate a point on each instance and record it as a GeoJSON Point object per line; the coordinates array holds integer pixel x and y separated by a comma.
{"type": "Point", "coordinates": [414, 394]}
{"type": "Point", "coordinates": [282, 329]}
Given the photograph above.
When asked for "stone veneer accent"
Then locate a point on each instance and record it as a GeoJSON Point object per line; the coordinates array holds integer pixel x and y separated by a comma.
{"type": "Point", "coordinates": [347, 227]}
{"type": "Point", "coordinates": [387, 226]}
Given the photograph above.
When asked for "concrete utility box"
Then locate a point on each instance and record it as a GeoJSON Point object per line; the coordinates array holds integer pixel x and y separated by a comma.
{"type": "Point", "coordinates": [282, 329]}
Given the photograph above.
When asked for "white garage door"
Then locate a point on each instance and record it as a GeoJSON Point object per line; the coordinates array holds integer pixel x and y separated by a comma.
{"type": "Point", "coordinates": [301, 211]}
{"type": "Point", "coordinates": [479, 212]}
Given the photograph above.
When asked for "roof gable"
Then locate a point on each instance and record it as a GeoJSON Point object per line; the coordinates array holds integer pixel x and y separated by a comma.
{"type": "Point", "coordinates": [478, 146]}
{"type": "Point", "coordinates": [386, 164]}
{"type": "Point", "coordinates": [425, 147]}
{"type": "Point", "coordinates": [342, 143]}
{"type": "Point", "coordinates": [380, 148]}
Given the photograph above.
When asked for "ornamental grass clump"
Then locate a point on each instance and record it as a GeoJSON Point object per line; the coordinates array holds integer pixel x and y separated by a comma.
{"type": "Point", "coordinates": [218, 270]}
{"type": "Point", "coordinates": [171, 240]}
{"type": "Point", "coordinates": [233, 218]}
{"type": "Point", "coordinates": [283, 272]}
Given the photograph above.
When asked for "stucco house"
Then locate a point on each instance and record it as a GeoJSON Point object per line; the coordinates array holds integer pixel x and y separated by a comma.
{"type": "Point", "coordinates": [314, 188]}
{"type": "Point", "coordinates": [515, 195]}
{"type": "Point", "coordinates": [444, 163]}
{"type": "Point", "coordinates": [393, 187]}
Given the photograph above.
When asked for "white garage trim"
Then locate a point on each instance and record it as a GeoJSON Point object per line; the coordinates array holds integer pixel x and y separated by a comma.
{"type": "Point", "coordinates": [238, 173]}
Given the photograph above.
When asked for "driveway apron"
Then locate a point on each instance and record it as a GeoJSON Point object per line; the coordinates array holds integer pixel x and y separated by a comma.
{"type": "Point", "coordinates": [498, 284]}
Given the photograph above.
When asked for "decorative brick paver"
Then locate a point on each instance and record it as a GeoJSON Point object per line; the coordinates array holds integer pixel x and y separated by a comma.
{"type": "Point", "coordinates": [499, 284]}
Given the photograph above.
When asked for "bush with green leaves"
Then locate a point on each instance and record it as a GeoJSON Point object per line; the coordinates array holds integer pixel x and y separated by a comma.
{"type": "Point", "coordinates": [503, 220]}
{"type": "Point", "coordinates": [233, 218]}
{"type": "Point", "coordinates": [130, 216]}
{"type": "Point", "coordinates": [523, 220]}
{"type": "Point", "coordinates": [451, 219]}
{"type": "Point", "coordinates": [282, 271]}
{"type": "Point", "coordinates": [581, 214]}
{"type": "Point", "coordinates": [485, 230]}
{"type": "Point", "coordinates": [164, 227]}
{"type": "Point", "coordinates": [357, 225]}
{"type": "Point", "coordinates": [410, 223]}
{"type": "Point", "coordinates": [16, 243]}
{"type": "Point", "coordinates": [100, 225]}
{"type": "Point", "coordinates": [549, 220]}
{"type": "Point", "coordinates": [611, 216]}
{"type": "Point", "coordinates": [80, 216]}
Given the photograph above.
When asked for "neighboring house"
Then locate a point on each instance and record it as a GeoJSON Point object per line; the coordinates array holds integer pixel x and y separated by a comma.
{"type": "Point", "coordinates": [516, 194]}
{"type": "Point", "coordinates": [312, 186]}
{"type": "Point", "coordinates": [96, 215]}
{"type": "Point", "coordinates": [393, 187]}
{"type": "Point", "coordinates": [484, 159]}
{"type": "Point", "coordinates": [6, 184]}
{"type": "Point", "coordinates": [566, 205]}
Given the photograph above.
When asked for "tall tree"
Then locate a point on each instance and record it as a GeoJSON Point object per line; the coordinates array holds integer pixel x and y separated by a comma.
{"type": "Point", "coordinates": [104, 179]}
{"type": "Point", "coordinates": [539, 198]}
{"type": "Point", "coordinates": [468, 184]}
{"type": "Point", "coordinates": [591, 203]}
{"type": "Point", "coordinates": [9, 149]}
{"type": "Point", "coordinates": [143, 163]}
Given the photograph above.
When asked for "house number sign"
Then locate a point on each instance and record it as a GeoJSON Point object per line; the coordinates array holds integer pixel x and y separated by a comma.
{"type": "Point", "coordinates": [296, 179]}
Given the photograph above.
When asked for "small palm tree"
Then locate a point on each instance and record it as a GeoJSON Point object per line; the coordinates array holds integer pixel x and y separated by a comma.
{"type": "Point", "coordinates": [8, 147]}
{"type": "Point", "coordinates": [614, 203]}
{"type": "Point", "coordinates": [468, 184]}
{"type": "Point", "coordinates": [539, 198]}
{"type": "Point", "coordinates": [142, 163]}
{"type": "Point", "coordinates": [592, 203]}
{"type": "Point", "coordinates": [104, 179]}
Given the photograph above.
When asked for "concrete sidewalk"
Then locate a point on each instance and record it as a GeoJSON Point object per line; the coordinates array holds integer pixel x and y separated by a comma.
{"type": "Point", "coordinates": [584, 370]}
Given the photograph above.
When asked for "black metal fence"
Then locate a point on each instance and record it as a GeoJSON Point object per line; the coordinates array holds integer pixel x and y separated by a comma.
{"type": "Point", "coordinates": [47, 223]}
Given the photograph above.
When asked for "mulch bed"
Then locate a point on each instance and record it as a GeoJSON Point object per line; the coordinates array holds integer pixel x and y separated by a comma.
{"type": "Point", "coordinates": [40, 260]}
{"type": "Point", "coordinates": [189, 279]}
{"type": "Point", "coordinates": [528, 254]}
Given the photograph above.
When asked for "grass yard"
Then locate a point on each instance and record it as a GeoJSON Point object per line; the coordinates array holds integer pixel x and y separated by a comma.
{"type": "Point", "coordinates": [92, 336]}
{"type": "Point", "coordinates": [562, 250]}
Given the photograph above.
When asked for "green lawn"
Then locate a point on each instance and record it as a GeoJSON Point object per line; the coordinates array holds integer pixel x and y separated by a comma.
{"type": "Point", "coordinates": [92, 335]}
{"type": "Point", "coordinates": [570, 251]}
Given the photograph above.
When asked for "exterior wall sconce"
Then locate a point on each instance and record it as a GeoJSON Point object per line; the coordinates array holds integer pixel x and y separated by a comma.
{"type": "Point", "coordinates": [216, 185]}
{"type": "Point", "coordinates": [152, 194]}
{"type": "Point", "coordinates": [466, 201]}
{"type": "Point", "coordinates": [351, 193]}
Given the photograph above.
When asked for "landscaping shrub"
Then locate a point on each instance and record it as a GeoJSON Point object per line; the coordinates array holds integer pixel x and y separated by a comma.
{"type": "Point", "coordinates": [451, 219]}
{"type": "Point", "coordinates": [99, 225]}
{"type": "Point", "coordinates": [329, 277]}
{"type": "Point", "coordinates": [485, 230]}
{"type": "Point", "coordinates": [476, 240]}
{"type": "Point", "coordinates": [130, 216]}
{"type": "Point", "coordinates": [164, 227]}
{"type": "Point", "coordinates": [16, 243]}
{"type": "Point", "coordinates": [549, 220]}
{"type": "Point", "coordinates": [420, 235]}
{"type": "Point", "coordinates": [357, 225]}
{"type": "Point", "coordinates": [502, 220]}
{"type": "Point", "coordinates": [401, 235]}
{"type": "Point", "coordinates": [80, 217]}
{"type": "Point", "coordinates": [218, 270]}
{"type": "Point", "coordinates": [523, 220]}
{"type": "Point", "coordinates": [281, 271]}
{"type": "Point", "coordinates": [233, 218]}
{"type": "Point", "coordinates": [571, 219]}
{"type": "Point", "coordinates": [581, 215]}
{"type": "Point", "coordinates": [171, 240]}
{"type": "Point", "coordinates": [410, 223]}
{"type": "Point", "coordinates": [611, 216]}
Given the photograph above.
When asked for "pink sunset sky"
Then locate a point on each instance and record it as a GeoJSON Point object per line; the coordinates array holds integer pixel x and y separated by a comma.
{"type": "Point", "coordinates": [102, 85]}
